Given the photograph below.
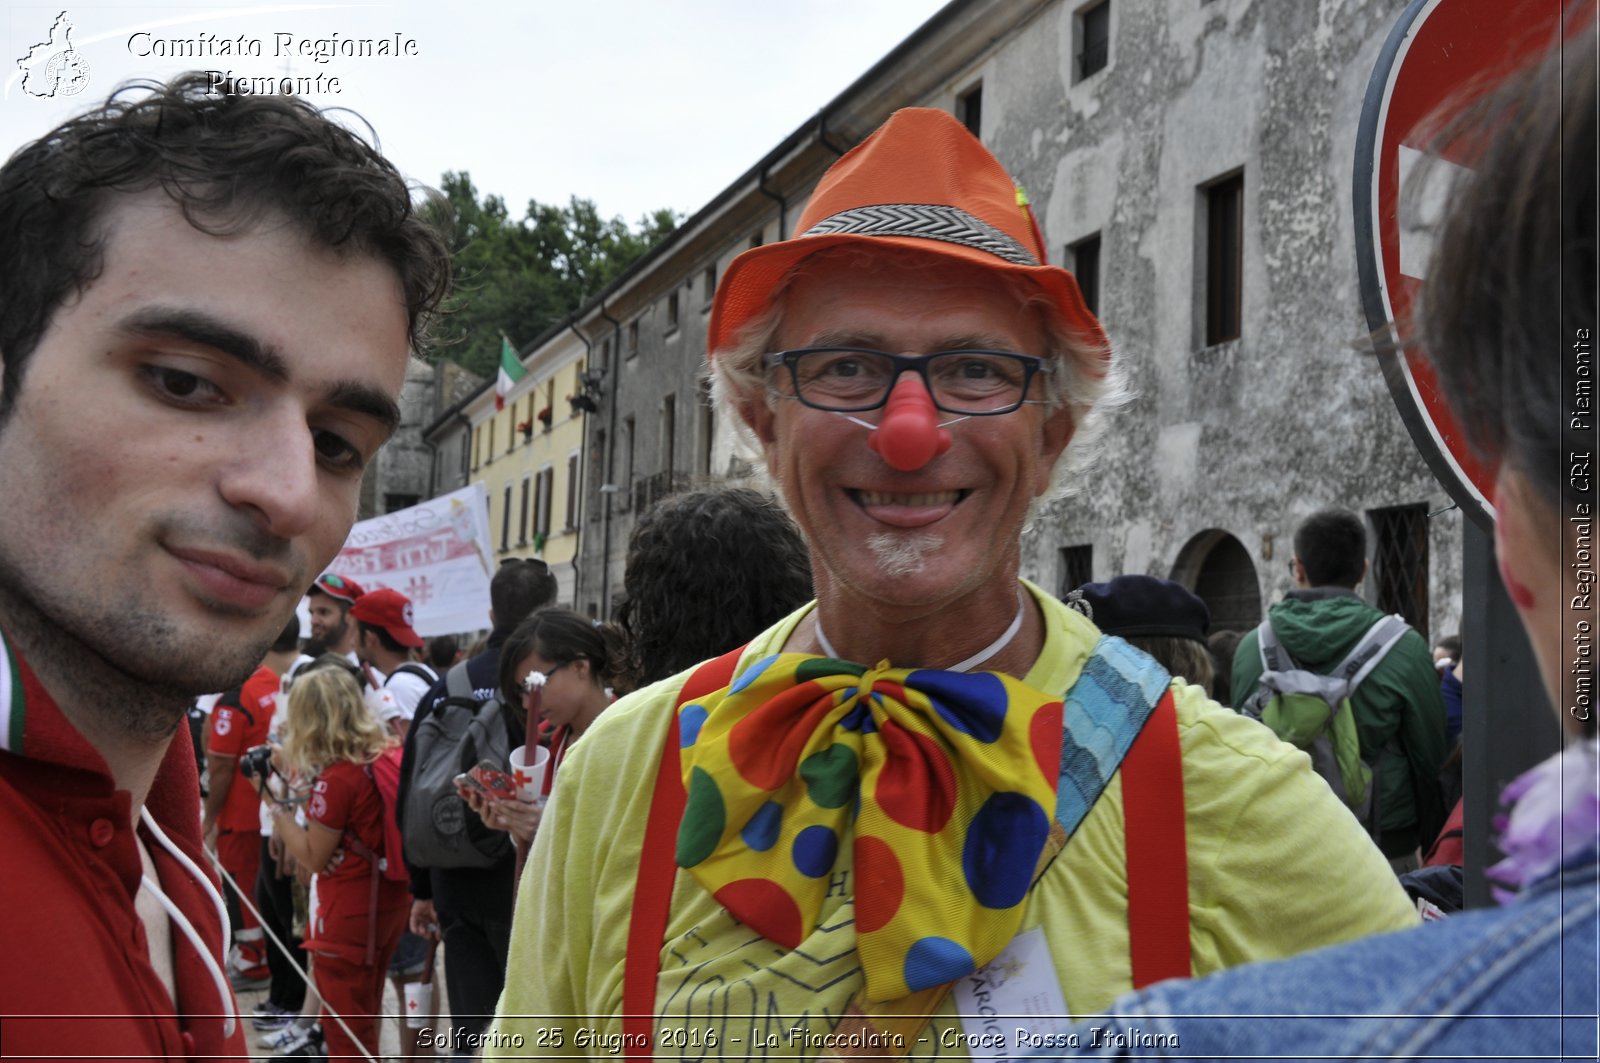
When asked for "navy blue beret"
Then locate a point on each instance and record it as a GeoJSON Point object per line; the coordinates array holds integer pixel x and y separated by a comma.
{"type": "Point", "coordinates": [1143, 605]}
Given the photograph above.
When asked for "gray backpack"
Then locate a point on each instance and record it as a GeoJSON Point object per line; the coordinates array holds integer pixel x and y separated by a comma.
{"type": "Point", "coordinates": [440, 830]}
{"type": "Point", "coordinates": [1313, 712]}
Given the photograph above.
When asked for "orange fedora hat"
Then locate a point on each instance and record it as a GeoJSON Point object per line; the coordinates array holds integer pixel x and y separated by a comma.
{"type": "Point", "coordinates": [919, 182]}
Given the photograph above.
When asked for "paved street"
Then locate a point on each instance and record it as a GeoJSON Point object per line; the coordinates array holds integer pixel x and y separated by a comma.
{"type": "Point", "coordinates": [390, 1029]}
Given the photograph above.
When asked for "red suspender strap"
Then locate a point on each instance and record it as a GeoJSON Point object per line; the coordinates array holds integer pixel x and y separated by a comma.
{"type": "Point", "coordinates": [1158, 864]}
{"type": "Point", "coordinates": [652, 898]}
{"type": "Point", "coordinates": [652, 892]}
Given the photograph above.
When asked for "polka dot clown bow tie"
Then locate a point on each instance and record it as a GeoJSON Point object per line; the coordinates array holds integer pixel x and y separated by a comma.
{"type": "Point", "coordinates": [946, 781]}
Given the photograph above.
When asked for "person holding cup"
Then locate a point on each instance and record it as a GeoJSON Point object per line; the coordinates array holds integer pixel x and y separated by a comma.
{"type": "Point", "coordinates": [559, 664]}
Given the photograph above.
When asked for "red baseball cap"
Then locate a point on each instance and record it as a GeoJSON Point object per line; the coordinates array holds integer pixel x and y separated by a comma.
{"type": "Point", "coordinates": [920, 182]}
{"type": "Point", "coordinates": [334, 585]}
{"type": "Point", "coordinates": [389, 609]}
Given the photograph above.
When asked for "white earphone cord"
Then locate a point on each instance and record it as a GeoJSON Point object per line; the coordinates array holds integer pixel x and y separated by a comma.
{"type": "Point", "coordinates": [213, 968]}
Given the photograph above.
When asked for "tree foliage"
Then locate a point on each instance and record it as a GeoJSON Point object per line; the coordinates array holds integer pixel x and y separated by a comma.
{"type": "Point", "coordinates": [521, 276]}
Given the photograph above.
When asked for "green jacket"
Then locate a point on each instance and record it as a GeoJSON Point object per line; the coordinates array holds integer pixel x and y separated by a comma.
{"type": "Point", "coordinates": [1398, 708]}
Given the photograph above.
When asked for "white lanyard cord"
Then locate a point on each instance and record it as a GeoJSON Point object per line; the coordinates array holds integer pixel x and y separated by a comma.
{"type": "Point", "coordinates": [970, 663]}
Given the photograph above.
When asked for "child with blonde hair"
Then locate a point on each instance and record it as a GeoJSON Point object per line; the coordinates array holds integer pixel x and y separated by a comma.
{"type": "Point", "coordinates": [331, 739]}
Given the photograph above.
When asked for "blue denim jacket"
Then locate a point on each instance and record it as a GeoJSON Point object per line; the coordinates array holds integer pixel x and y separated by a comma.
{"type": "Point", "coordinates": [1516, 981]}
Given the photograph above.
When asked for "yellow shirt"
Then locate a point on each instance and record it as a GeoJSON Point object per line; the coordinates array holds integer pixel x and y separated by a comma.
{"type": "Point", "coordinates": [1277, 866]}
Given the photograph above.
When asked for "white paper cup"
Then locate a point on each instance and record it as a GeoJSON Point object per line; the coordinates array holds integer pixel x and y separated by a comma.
{"type": "Point", "coordinates": [419, 1004]}
{"type": "Point", "coordinates": [530, 777]}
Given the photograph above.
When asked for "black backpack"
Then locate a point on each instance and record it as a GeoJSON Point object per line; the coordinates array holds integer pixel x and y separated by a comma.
{"type": "Point", "coordinates": [421, 671]}
{"type": "Point", "coordinates": [440, 830]}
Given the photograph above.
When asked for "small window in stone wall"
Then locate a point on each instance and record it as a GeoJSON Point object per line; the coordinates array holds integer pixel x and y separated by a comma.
{"type": "Point", "coordinates": [708, 286]}
{"type": "Point", "coordinates": [522, 521]}
{"type": "Point", "coordinates": [393, 502]}
{"type": "Point", "coordinates": [1084, 259]}
{"type": "Point", "coordinates": [633, 338]}
{"type": "Point", "coordinates": [969, 110]}
{"type": "Point", "coordinates": [543, 504]}
{"type": "Point", "coordinates": [1400, 562]}
{"type": "Point", "coordinates": [572, 492]}
{"type": "Point", "coordinates": [1077, 568]}
{"type": "Point", "coordinates": [597, 463]}
{"type": "Point", "coordinates": [672, 313]}
{"type": "Point", "coordinates": [1094, 39]}
{"type": "Point", "coordinates": [626, 484]}
{"type": "Point", "coordinates": [669, 431]}
{"type": "Point", "coordinates": [706, 412]}
{"type": "Point", "coordinates": [1224, 259]}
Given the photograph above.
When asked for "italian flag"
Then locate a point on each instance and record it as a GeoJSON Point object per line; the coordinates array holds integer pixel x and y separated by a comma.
{"type": "Point", "coordinates": [511, 371]}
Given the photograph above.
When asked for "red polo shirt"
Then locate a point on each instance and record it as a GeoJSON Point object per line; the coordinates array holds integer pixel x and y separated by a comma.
{"type": "Point", "coordinates": [235, 730]}
{"type": "Point", "coordinates": [77, 978]}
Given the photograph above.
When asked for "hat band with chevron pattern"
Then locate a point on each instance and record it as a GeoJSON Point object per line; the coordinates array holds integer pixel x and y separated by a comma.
{"type": "Point", "coordinates": [925, 221]}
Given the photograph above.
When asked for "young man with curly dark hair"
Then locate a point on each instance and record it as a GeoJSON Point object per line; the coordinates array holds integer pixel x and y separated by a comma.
{"type": "Point", "coordinates": [207, 309]}
{"type": "Point", "coordinates": [707, 570]}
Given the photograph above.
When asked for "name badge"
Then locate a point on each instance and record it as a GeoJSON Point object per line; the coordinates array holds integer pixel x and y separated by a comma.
{"type": "Point", "coordinates": [1018, 988]}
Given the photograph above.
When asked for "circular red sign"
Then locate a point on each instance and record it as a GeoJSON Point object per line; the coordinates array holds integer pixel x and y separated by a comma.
{"type": "Point", "coordinates": [1438, 51]}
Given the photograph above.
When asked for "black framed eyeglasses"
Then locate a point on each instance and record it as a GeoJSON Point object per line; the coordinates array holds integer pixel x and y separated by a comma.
{"type": "Point", "coordinates": [852, 379]}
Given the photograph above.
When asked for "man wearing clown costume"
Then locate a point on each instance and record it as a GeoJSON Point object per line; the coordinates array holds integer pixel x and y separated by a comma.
{"type": "Point", "coordinates": [823, 843]}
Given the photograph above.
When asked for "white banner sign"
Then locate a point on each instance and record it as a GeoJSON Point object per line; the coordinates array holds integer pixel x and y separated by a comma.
{"type": "Point", "coordinates": [436, 553]}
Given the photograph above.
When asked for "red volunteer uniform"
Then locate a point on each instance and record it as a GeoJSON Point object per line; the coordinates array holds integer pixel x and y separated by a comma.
{"type": "Point", "coordinates": [78, 979]}
{"type": "Point", "coordinates": [235, 730]}
{"type": "Point", "coordinates": [346, 799]}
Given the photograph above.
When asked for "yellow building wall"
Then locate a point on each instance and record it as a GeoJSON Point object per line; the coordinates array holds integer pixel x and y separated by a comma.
{"type": "Point", "coordinates": [504, 456]}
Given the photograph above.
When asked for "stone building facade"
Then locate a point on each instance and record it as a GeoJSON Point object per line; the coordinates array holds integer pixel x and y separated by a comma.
{"type": "Point", "coordinates": [1192, 161]}
{"type": "Point", "coordinates": [1214, 123]}
{"type": "Point", "coordinates": [402, 474]}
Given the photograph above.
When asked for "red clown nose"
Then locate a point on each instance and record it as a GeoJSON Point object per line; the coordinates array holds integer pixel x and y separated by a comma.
{"type": "Point", "coordinates": [909, 435]}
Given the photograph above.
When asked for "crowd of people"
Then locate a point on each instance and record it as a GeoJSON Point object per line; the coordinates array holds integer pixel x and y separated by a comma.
{"type": "Point", "coordinates": [328, 707]}
{"type": "Point", "coordinates": [838, 767]}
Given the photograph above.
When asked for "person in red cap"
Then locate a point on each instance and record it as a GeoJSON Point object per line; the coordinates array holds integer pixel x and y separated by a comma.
{"type": "Point", "coordinates": [386, 641]}
{"type": "Point", "coordinates": [935, 772]}
{"type": "Point", "coordinates": [329, 601]}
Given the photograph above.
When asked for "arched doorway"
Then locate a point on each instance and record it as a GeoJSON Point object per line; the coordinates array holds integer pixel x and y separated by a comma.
{"type": "Point", "coordinates": [1217, 567]}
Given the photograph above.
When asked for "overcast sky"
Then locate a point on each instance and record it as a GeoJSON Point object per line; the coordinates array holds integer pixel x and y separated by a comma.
{"type": "Point", "coordinates": [631, 103]}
